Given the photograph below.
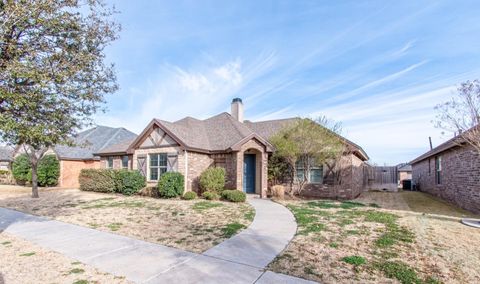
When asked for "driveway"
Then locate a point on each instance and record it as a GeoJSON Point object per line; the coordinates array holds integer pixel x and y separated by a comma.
{"type": "Point", "coordinates": [241, 259]}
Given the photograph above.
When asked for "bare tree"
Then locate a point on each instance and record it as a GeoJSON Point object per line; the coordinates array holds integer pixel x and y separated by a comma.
{"type": "Point", "coordinates": [461, 114]}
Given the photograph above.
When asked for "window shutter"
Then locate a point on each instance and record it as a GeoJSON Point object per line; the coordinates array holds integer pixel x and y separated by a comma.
{"type": "Point", "coordinates": [142, 165]}
{"type": "Point", "coordinates": [172, 162]}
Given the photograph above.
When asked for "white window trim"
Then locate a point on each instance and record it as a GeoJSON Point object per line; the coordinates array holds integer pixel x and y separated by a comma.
{"type": "Point", "coordinates": [157, 167]}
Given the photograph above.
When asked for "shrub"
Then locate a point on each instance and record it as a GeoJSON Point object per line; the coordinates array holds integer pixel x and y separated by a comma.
{"type": "Point", "coordinates": [234, 195]}
{"type": "Point", "coordinates": [213, 179]}
{"type": "Point", "coordinates": [190, 195]}
{"type": "Point", "coordinates": [209, 195]}
{"type": "Point", "coordinates": [128, 182]}
{"type": "Point", "coordinates": [170, 185]}
{"type": "Point", "coordinates": [99, 180]}
{"type": "Point", "coordinates": [278, 192]}
{"type": "Point", "coordinates": [48, 171]}
{"type": "Point", "coordinates": [21, 169]}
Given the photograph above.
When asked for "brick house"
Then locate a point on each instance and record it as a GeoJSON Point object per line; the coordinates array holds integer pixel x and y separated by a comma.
{"type": "Point", "coordinates": [404, 172]}
{"type": "Point", "coordinates": [6, 159]}
{"type": "Point", "coordinates": [450, 171]}
{"type": "Point", "coordinates": [190, 146]}
{"type": "Point", "coordinates": [74, 159]}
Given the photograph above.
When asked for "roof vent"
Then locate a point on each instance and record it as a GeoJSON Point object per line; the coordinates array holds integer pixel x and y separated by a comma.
{"type": "Point", "coordinates": [237, 109]}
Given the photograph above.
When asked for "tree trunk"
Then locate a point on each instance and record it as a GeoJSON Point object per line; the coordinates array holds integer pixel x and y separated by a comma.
{"type": "Point", "coordinates": [34, 179]}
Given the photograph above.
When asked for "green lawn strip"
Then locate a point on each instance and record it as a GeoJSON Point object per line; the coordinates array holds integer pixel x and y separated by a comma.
{"type": "Point", "coordinates": [80, 282]}
{"type": "Point", "coordinates": [28, 254]}
{"type": "Point", "coordinates": [114, 226]}
{"type": "Point", "coordinates": [231, 229]}
{"type": "Point", "coordinates": [205, 205]}
{"type": "Point", "coordinates": [125, 203]}
{"type": "Point", "coordinates": [6, 243]}
{"type": "Point", "coordinates": [76, 271]}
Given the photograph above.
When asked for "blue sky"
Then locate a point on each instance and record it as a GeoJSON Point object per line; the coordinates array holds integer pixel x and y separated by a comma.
{"type": "Point", "coordinates": [379, 67]}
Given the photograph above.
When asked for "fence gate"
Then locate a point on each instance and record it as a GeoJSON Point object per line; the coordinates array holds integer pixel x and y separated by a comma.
{"type": "Point", "coordinates": [383, 178]}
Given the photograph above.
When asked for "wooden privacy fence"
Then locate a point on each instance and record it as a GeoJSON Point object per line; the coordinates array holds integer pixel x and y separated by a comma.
{"type": "Point", "coordinates": [382, 178]}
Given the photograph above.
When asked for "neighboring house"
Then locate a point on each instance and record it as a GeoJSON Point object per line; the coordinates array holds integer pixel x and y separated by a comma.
{"type": "Point", "coordinates": [6, 157]}
{"type": "Point", "coordinates": [74, 159]}
{"type": "Point", "coordinates": [450, 171]}
{"type": "Point", "coordinates": [190, 146]}
{"type": "Point", "coordinates": [404, 172]}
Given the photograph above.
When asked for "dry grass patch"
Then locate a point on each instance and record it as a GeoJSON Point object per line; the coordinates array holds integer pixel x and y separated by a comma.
{"type": "Point", "coordinates": [357, 242]}
{"type": "Point", "coordinates": [24, 262]}
{"type": "Point", "coordinates": [194, 225]}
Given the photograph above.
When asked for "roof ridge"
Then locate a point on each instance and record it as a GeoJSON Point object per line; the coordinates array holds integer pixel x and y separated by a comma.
{"type": "Point", "coordinates": [110, 139]}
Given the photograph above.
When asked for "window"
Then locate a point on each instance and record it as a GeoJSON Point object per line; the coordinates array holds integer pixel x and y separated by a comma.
{"type": "Point", "coordinates": [158, 165]}
{"type": "Point", "coordinates": [438, 169]}
{"type": "Point", "coordinates": [125, 162]}
{"type": "Point", "coordinates": [110, 162]}
{"type": "Point", "coordinates": [315, 174]}
{"type": "Point", "coordinates": [429, 167]}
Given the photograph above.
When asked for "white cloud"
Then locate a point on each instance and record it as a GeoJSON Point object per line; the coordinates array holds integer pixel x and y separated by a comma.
{"type": "Point", "coordinates": [230, 72]}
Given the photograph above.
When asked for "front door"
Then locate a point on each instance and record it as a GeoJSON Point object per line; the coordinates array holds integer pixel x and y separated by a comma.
{"type": "Point", "coordinates": [249, 173]}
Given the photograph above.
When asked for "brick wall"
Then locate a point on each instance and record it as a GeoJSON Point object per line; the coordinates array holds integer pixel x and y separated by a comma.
{"type": "Point", "coordinates": [70, 170]}
{"type": "Point", "coordinates": [117, 162]}
{"type": "Point", "coordinates": [460, 176]}
{"type": "Point", "coordinates": [353, 181]}
{"type": "Point", "coordinates": [197, 163]}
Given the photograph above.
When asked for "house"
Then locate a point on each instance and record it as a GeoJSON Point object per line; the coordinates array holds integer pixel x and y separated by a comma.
{"type": "Point", "coordinates": [74, 159]}
{"type": "Point", "coordinates": [450, 171]}
{"type": "Point", "coordinates": [6, 158]}
{"type": "Point", "coordinates": [404, 172]}
{"type": "Point", "coordinates": [190, 146]}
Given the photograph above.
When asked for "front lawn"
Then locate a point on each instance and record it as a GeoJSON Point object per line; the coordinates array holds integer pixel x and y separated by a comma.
{"type": "Point", "coordinates": [194, 225]}
{"type": "Point", "coordinates": [345, 242]}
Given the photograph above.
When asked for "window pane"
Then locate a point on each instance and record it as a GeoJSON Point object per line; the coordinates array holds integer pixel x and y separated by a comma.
{"type": "Point", "coordinates": [125, 162]}
{"type": "Point", "coordinates": [316, 175]}
{"type": "Point", "coordinates": [163, 170]}
{"type": "Point", "coordinates": [110, 162]}
{"type": "Point", "coordinates": [153, 160]}
{"type": "Point", "coordinates": [163, 160]}
{"type": "Point", "coordinates": [153, 173]}
{"type": "Point", "coordinates": [300, 175]}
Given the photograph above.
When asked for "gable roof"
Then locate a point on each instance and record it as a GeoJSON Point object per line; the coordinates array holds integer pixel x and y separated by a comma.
{"type": "Point", "coordinates": [93, 140]}
{"type": "Point", "coordinates": [6, 153]}
{"type": "Point", "coordinates": [405, 167]}
{"type": "Point", "coordinates": [455, 141]}
{"type": "Point", "coordinates": [221, 133]}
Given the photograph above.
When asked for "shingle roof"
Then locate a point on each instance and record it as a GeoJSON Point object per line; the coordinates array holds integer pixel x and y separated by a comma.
{"type": "Point", "coordinates": [6, 153]}
{"type": "Point", "coordinates": [455, 141]}
{"type": "Point", "coordinates": [404, 167]}
{"type": "Point", "coordinates": [92, 141]}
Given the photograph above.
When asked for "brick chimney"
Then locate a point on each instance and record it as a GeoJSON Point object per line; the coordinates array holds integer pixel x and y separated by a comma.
{"type": "Point", "coordinates": [237, 109]}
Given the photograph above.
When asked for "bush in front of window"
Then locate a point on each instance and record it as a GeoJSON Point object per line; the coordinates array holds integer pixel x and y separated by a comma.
{"type": "Point", "coordinates": [129, 182]}
{"type": "Point", "coordinates": [21, 169]}
{"type": "Point", "coordinates": [171, 185]}
{"type": "Point", "coordinates": [98, 180]}
{"type": "Point", "coordinates": [212, 179]}
{"type": "Point", "coordinates": [234, 195]}
{"type": "Point", "coordinates": [210, 195]}
{"type": "Point", "coordinates": [190, 195]}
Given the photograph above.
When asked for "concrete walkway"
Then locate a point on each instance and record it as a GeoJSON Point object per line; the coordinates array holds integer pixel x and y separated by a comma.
{"type": "Point", "coordinates": [241, 259]}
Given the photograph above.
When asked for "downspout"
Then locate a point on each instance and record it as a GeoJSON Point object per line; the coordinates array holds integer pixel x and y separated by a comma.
{"type": "Point", "coordinates": [185, 180]}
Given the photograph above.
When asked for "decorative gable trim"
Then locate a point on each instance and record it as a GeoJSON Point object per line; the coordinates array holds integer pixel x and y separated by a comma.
{"type": "Point", "coordinates": [237, 146]}
{"type": "Point", "coordinates": [160, 139]}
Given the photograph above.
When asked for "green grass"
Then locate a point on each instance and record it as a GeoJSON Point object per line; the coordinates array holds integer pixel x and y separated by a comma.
{"type": "Point", "coordinates": [6, 243]}
{"type": "Point", "coordinates": [249, 215]}
{"type": "Point", "coordinates": [76, 263]}
{"type": "Point", "coordinates": [354, 260]}
{"type": "Point", "coordinates": [76, 271]}
{"type": "Point", "coordinates": [333, 245]}
{"type": "Point", "coordinates": [114, 226]}
{"type": "Point", "coordinates": [231, 229]}
{"type": "Point", "coordinates": [205, 205]}
{"type": "Point", "coordinates": [28, 254]}
{"type": "Point", "coordinates": [331, 204]}
{"type": "Point", "coordinates": [400, 271]}
{"type": "Point", "coordinates": [312, 228]}
{"type": "Point", "coordinates": [80, 282]}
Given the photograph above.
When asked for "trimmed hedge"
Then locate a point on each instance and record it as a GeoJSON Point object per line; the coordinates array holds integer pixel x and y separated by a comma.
{"type": "Point", "coordinates": [48, 170]}
{"type": "Point", "coordinates": [210, 195]}
{"type": "Point", "coordinates": [213, 179]}
{"type": "Point", "coordinates": [129, 182]}
{"type": "Point", "coordinates": [108, 180]}
{"type": "Point", "coordinates": [190, 195]}
{"type": "Point", "coordinates": [98, 180]}
{"type": "Point", "coordinates": [234, 195]}
{"type": "Point", "coordinates": [21, 169]}
{"type": "Point", "coordinates": [171, 185]}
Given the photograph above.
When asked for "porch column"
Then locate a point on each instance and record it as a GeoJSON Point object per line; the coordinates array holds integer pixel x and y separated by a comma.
{"type": "Point", "coordinates": [264, 175]}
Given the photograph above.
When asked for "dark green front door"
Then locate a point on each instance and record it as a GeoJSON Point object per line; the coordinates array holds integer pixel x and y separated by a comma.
{"type": "Point", "coordinates": [249, 173]}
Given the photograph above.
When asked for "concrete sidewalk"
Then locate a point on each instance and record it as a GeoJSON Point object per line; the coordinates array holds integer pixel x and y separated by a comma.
{"type": "Point", "coordinates": [241, 259]}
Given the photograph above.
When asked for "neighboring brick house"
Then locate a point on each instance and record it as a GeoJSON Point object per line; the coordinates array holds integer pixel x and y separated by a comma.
{"type": "Point", "coordinates": [190, 146]}
{"type": "Point", "coordinates": [74, 159]}
{"type": "Point", "coordinates": [404, 172]}
{"type": "Point", "coordinates": [450, 171]}
{"type": "Point", "coordinates": [6, 158]}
